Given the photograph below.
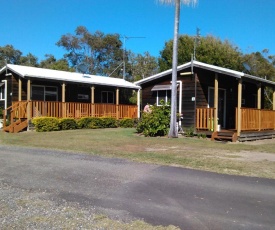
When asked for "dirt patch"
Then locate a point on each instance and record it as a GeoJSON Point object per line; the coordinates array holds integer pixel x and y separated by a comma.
{"type": "Point", "coordinates": [255, 156]}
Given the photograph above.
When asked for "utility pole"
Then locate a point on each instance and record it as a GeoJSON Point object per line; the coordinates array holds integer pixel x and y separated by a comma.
{"type": "Point", "coordinates": [124, 52]}
{"type": "Point", "coordinates": [196, 41]}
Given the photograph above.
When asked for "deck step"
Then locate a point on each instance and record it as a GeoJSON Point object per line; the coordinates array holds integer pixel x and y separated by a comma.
{"type": "Point", "coordinates": [16, 126]}
{"type": "Point", "coordinates": [224, 136]}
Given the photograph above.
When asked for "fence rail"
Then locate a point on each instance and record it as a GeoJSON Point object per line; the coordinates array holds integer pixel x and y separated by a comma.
{"type": "Point", "coordinates": [71, 109]}
{"type": "Point", "coordinates": [256, 119]}
{"type": "Point", "coordinates": [205, 118]}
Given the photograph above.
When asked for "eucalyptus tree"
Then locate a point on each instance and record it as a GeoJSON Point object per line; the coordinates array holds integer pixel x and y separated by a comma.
{"type": "Point", "coordinates": [10, 55]}
{"type": "Point", "coordinates": [173, 132]}
{"type": "Point", "coordinates": [100, 52]}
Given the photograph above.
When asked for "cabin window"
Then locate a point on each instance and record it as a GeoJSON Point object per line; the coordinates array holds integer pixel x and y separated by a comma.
{"type": "Point", "coordinates": [44, 93]}
{"type": "Point", "coordinates": [164, 95]}
{"type": "Point", "coordinates": [2, 91]}
{"type": "Point", "coordinates": [107, 97]}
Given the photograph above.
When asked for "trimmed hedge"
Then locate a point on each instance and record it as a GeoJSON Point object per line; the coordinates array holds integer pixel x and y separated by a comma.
{"type": "Point", "coordinates": [46, 124]}
{"type": "Point", "coordinates": [67, 123]}
{"type": "Point", "coordinates": [127, 123]}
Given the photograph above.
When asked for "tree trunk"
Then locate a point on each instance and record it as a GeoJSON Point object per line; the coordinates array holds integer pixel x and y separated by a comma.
{"type": "Point", "coordinates": [173, 132]}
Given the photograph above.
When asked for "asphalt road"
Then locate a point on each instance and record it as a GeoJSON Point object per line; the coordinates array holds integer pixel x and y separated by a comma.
{"type": "Point", "coordinates": [160, 195]}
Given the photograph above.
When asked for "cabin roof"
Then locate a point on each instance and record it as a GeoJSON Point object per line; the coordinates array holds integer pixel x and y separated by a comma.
{"type": "Point", "coordinates": [58, 75]}
{"type": "Point", "coordinates": [217, 69]}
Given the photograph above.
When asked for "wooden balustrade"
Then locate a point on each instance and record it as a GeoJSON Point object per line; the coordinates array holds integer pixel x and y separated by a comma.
{"type": "Point", "coordinates": [205, 118]}
{"type": "Point", "coordinates": [71, 109]}
{"type": "Point", "coordinates": [256, 119]}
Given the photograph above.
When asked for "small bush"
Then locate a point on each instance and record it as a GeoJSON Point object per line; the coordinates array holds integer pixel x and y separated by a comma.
{"type": "Point", "coordinates": [156, 121]}
{"type": "Point", "coordinates": [84, 122]}
{"type": "Point", "coordinates": [127, 123]}
{"type": "Point", "coordinates": [189, 132]}
{"type": "Point", "coordinates": [1, 113]}
{"type": "Point", "coordinates": [46, 124]}
{"type": "Point", "coordinates": [109, 122]}
{"type": "Point", "coordinates": [67, 123]}
{"type": "Point", "coordinates": [96, 123]}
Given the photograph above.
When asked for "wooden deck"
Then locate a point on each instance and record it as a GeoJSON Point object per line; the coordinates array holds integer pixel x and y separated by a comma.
{"type": "Point", "coordinates": [244, 136]}
{"type": "Point", "coordinates": [256, 124]}
{"type": "Point", "coordinates": [21, 112]}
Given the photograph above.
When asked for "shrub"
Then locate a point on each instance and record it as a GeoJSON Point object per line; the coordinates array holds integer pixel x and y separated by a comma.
{"type": "Point", "coordinates": [156, 121]}
{"type": "Point", "coordinates": [84, 122]}
{"type": "Point", "coordinates": [96, 123]}
{"type": "Point", "coordinates": [189, 132]}
{"type": "Point", "coordinates": [108, 122]}
{"type": "Point", "coordinates": [46, 124]}
{"type": "Point", "coordinates": [67, 123]}
{"type": "Point", "coordinates": [1, 113]}
{"type": "Point", "coordinates": [127, 123]}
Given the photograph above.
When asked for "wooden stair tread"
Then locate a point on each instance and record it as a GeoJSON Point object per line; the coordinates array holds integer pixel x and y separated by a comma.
{"type": "Point", "coordinates": [224, 136]}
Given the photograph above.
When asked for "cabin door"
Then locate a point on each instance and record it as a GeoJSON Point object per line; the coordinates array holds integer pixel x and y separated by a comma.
{"type": "Point", "coordinates": [221, 105]}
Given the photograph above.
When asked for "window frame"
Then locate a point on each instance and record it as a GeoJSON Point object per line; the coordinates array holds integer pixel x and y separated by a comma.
{"type": "Point", "coordinates": [166, 97]}
{"type": "Point", "coordinates": [107, 94]}
{"type": "Point", "coordinates": [44, 91]}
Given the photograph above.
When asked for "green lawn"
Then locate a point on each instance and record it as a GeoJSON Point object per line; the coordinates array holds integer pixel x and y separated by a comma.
{"type": "Point", "coordinates": [230, 158]}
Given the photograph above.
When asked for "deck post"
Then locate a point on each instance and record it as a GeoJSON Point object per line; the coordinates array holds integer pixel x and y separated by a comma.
{"type": "Point", "coordinates": [63, 100]}
{"type": "Point", "coordinates": [29, 99]}
{"type": "Point", "coordinates": [138, 103]}
{"type": "Point", "coordinates": [259, 106]}
{"type": "Point", "coordinates": [273, 101]}
{"type": "Point", "coordinates": [117, 103]}
{"type": "Point", "coordinates": [239, 117]}
{"type": "Point", "coordinates": [93, 100]}
{"type": "Point", "coordinates": [19, 89]}
{"type": "Point", "coordinates": [216, 96]}
{"type": "Point", "coordinates": [259, 93]}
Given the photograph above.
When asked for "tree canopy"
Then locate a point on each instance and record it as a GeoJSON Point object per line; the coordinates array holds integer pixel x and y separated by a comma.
{"type": "Point", "coordinates": [210, 50]}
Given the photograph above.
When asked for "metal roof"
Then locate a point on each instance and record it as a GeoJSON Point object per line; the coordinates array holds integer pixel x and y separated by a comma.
{"type": "Point", "coordinates": [202, 65]}
{"type": "Point", "coordinates": [57, 75]}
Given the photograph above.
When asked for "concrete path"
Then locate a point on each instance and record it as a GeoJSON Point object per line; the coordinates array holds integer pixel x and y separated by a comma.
{"type": "Point", "coordinates": [160, 195]}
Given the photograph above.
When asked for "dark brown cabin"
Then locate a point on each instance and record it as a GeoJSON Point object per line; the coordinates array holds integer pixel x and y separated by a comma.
{"type": "Point", "coordinates": [28, 92]}
{"type": "Point", "coordinates": [212, 99]}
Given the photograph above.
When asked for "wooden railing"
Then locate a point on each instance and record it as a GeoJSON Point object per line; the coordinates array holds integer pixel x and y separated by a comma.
{"type": "Point", "coordinates": [256, 119]}
{"type": "Point", "coordinates": [71, 109]}
{"type": "Point", "coordinates": [205, 118]}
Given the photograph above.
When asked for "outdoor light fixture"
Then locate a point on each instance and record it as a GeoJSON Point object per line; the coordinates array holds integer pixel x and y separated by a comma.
{"type": "Point", "coordinates": [186, 73]}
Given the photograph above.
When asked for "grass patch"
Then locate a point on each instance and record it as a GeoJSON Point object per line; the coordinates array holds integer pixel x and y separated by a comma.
{"type": "Point", "coordinates": [126, 143]}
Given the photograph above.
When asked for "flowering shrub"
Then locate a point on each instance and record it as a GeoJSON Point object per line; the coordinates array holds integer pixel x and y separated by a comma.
{"type": "Point", "coordinates": [156, 122]}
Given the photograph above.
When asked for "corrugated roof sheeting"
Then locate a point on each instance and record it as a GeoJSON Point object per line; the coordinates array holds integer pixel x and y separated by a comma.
{"type": "Point", "coordinates": [33, 72]}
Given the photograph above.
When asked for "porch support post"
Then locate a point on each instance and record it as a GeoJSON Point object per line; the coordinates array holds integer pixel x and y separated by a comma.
{"type": "Point", "coordinates": [29, 99]}
{"type": "Point", "coordinates": [259, 106]}
{"type": "Point", "coordinates": [19, 89]}
{"type": "Point", "coordinates": [273, 101]}
{"type": "Point", "coordinates": [138, 103]}
{"type": "Point", "coordinates": [239, 115]}
{"type": "Point", "coordinates": [117, 103]}
{"type": "Point", "coordinates": [63, 100]}
{"type": "Point", "coordinates": [93, 100]}
{"type": "Point", "coordinates": [63, 92]}
{"type": "Point", "coordinates": [216, 96]}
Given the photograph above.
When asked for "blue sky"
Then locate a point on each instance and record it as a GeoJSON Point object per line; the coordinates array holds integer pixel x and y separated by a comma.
{"type": "Point", "coordinates": [34, 26]}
